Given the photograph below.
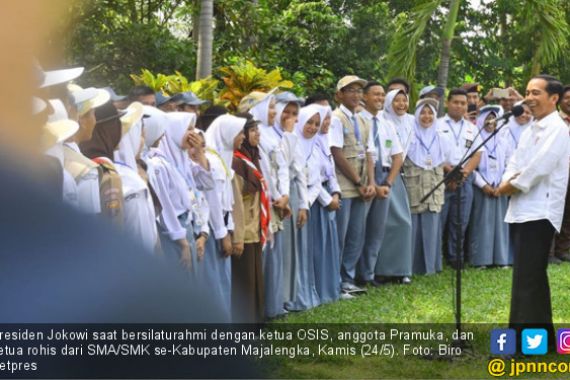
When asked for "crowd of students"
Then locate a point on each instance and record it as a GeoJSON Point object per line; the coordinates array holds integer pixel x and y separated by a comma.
{"type": "Point", "coordinates": [288, 203]}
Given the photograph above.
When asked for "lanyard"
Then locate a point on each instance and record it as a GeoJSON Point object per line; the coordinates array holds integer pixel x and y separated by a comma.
{"type": "Point", "coordinates": [492, 152]}
{"type": "Point", "coordinates": [514, 138]}
{"type": "Point", "coordinates": [426, 148]}
{"type": "Point", "coordinates": [456, 136]}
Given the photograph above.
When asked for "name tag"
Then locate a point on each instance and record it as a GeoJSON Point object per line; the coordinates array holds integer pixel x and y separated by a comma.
{"type": "Point", "coordinates": [468, 143]}
{"type": "Point", "coordinates": [388, 144]}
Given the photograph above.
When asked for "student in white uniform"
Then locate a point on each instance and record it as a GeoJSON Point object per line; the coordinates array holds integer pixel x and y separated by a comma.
{"type": "Point", "coordinates": [275, 168]}
{"type": "Point", "coordinates": [536, 179]}
{"type": "Point", "coordinates": [464, 137]}
{"type": "Point", "coordinates": [488, 237]}
{"type": "Point", "coordinates": [171, 190]}
{"type": "Point", "coordinates": [57, 129]}
{"type": "Point", "coordinates": [423, 169]}
{"type": "Point", "coordinates": [139, 214]}
{"type": "Point", "coordinates": [388, 161]}
{"type": "Point", "coordinates": [353, 150]}
{"type": "Point", "coordinates": [86, 173]}
{"type": "Point", "coordinates": [306, 129]}
{"type": "Point", "coordinates": [179, 138]}
{"type": "Point", "coordinates": [322, 221]}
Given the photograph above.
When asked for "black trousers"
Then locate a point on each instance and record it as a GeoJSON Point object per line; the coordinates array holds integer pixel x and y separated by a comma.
{"type": "Point", "coordinates": [530, 296]}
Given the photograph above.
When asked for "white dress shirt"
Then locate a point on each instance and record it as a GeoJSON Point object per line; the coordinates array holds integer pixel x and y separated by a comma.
{"type": "Point", "coordinates": [541, 162]}
{"type": "Point", "coordinates": [463, 135]}
{"type": "Point", "coordinates": [387, 136]}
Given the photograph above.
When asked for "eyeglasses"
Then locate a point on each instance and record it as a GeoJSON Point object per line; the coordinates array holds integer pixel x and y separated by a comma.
{"type": "Point", "coordinates": [353, 90]}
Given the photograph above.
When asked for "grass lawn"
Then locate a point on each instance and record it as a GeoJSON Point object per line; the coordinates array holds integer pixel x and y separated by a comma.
{"type": "Point", "coordinates": [429, 299]}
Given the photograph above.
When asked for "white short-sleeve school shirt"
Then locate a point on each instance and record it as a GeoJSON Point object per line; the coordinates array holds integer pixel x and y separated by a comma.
{"type": "Point", "coordinates": [463, 136]}
{"type": "Point", "coordinates": [336, 132]}
{"type": "Point", "coordinates": [541, 162]}
{"type": "Point", "coordinates": [387, 137]}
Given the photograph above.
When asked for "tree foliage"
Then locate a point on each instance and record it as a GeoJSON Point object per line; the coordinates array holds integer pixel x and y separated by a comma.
{"type": "Point", "coordinates": [314, 42]}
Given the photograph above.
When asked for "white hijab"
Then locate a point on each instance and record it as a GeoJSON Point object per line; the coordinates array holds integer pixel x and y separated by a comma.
{"type": "Point", "coordinates": [306, 145]}
{"type": "Point", "coordinates": [280, 107]}
{"type": "Point", "coordinates": [154, 125]}
{"type": "Point", "coordinates": [171, 144]}
{"type": "Point", "coordinates": [403, 124]}
{"type": "Point", "coordinates": [221, 134]}
{"type": "Point", "coordinates": [129, 146]}
{"type": "Point", "coordinates": [514, 129]}
{"type": "Point", "coordinates": [323, 139]}
{"type": "Point", "coordinates": [427, 142]}
{"type": "Point", "coordinates": [260, 112]}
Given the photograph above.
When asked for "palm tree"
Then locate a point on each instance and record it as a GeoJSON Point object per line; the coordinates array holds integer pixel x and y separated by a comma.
{"type": "Point", "coordinates": [542, 21]}
{"type": "Point", "coordinates": [205, 39]}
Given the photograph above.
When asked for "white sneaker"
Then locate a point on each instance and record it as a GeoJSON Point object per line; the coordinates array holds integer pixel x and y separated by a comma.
{"type": "Point", "coordinates": [346, 296]}
{"type": "Point", "coordinates": [351, 288]}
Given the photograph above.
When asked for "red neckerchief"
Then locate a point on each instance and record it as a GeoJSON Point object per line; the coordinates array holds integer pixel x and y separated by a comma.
{"type": "Point", "coordinates": [265, 216]}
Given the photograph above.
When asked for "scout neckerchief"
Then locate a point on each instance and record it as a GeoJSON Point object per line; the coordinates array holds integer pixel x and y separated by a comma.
{"type": "Point", "coordinates": [265, 216]}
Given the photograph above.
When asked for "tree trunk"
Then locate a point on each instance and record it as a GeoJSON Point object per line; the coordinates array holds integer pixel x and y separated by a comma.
{"type": "Point", "coordinates": [205, 38]}
{"type": "Point", "coordinates": [447, 38]}
{"type": "Point", "coordinates": [196, 22]}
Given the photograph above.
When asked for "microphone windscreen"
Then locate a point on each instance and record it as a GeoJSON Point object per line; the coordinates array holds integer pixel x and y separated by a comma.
{"type": "Point", "coordinates": [518, 110]}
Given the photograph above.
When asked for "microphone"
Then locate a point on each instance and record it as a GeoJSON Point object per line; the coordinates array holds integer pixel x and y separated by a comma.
{"type": "Point", "coordinates": [516, 112]}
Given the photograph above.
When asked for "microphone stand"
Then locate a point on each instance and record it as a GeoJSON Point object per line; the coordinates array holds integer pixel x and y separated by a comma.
{"type": "Point", "coordinates": [455, 175]}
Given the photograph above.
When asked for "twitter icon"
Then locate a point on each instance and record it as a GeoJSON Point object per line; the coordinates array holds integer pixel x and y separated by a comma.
{"type": "Point", "coordinates": [534, 341]}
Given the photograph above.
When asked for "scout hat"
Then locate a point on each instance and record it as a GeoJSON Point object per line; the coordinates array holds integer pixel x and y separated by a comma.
{"type": "Point", "coordinates": [133, 113]}
{"type": "Point", "coordinates": [349, 79]}
{"type": "Point", "coordinates": [252, 99]}
{"type": "Point", "coordinates": [58, 127]}
{"type": "Point", "coordinates": [53, 77]}
{"type": "Point", "coordinates": [86, 99]}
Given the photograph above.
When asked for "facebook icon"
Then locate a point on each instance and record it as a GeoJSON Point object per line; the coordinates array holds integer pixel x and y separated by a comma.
{"type": "Point", "coordinates": [503, 342]}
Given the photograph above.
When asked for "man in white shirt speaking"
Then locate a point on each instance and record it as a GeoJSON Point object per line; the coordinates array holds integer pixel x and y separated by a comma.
{"type": "Point", "coordinates": [536, 178]}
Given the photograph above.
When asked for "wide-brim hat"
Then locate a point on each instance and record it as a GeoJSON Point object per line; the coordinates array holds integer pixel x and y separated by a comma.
{"type": "Point", "coordinates": [58, 127]}
{"type": "Point", "coordinates": [133, 113]}
{"type": "Point", "coordinates": [107, 112]}
{"type": "Point", "coordinates": [348, 80]}
{"type": "Point", "coordinates": [113, 94]}
{"type": "Point", "coordinates": [86, 99]}
{"type": "Point", "coordinates": [254, 98]}
{"type": "Point", "coordinates": [53, 77]}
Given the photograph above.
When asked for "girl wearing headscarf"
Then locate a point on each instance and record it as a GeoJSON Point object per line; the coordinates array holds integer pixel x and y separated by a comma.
{"type": "Point", "coordinates": [300, 256]}
{"type": "Point", "coordinates": [275, 158]}
{"type": "Point", "coordinates": [177, 140]}
{"type": "Point", "coordinates": [251, 218]}
{"type": "Point", "coordinates": [287, 109]}
{"type": "Point", "coordinates": [215, 266]}
{"type": "Point", "coordinates": [423, 169]}
{"type": "Point", "coordinates": [488, 236]}
{"type": "Point", "coordinates": [100, 148]}
{"type": "Point", "coordinates": [510, 134]}
{"type": "Point", "coordinates": [174, 219]}
{"type": "Point", "coordinates": [395, 258]}
{"type": "Point", "coordinates": [322, 224]}
{"type": "Point", "coordinates": [139, 212]}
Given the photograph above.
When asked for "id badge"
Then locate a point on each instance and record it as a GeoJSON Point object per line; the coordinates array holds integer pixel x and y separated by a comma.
{"type": "Point", "coordinates": [493, 165]}
{"type": "Point", "coordinates": [428, 161]}
{"type": "Point", "coordinates": [468, 143]}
